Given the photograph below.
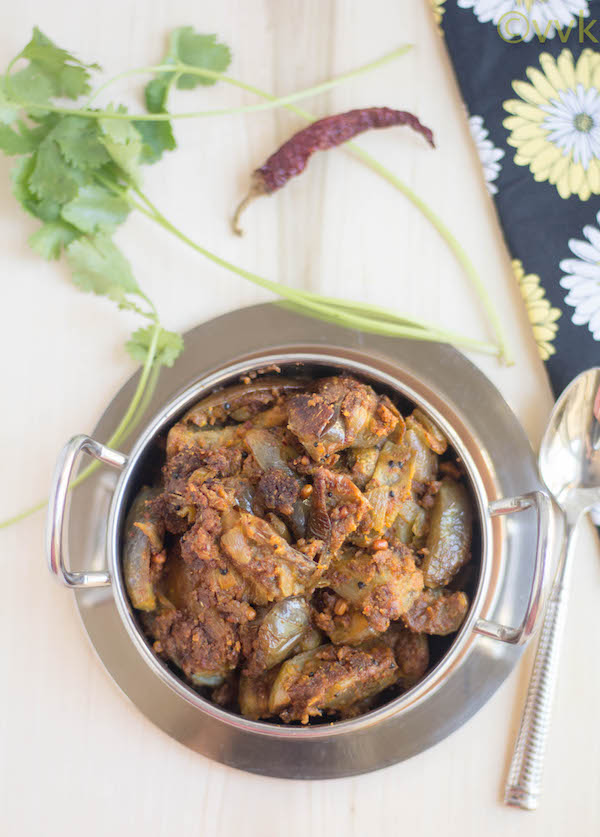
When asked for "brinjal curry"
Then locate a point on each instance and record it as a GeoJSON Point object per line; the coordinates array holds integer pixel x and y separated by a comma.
{"type": "Point", "coordinates": [302, 548]}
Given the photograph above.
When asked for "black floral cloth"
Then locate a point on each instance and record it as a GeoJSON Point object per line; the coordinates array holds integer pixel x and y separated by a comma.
{"type": "Point", "coordinates": [529, 72]}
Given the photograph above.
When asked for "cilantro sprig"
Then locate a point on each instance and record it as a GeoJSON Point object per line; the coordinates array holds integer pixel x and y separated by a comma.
{"type": "Point", "coordinates": [79, 171]}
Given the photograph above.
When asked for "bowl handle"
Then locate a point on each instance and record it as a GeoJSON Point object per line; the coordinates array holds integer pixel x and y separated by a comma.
{"type": "Point", "coordinates": [542, 504]}
{"type": "Point", "coordinates": [57, 552]}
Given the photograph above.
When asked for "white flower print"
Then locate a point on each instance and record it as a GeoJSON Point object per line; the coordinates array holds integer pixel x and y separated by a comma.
{"type": "Point", "coordinates": [528, 18]}
{"type": "Point", "coordinates": [488, 153]}
{"type": "Point", "coordinates": [573, 123]}
{"type": "Point", "coordinates": [582, 279]}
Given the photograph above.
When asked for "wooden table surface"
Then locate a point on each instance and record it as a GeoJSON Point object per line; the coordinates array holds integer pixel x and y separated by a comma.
{"type": "Point", "coordinates": [75, 757]}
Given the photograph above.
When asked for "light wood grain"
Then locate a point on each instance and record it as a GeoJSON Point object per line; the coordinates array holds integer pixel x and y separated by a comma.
{"type": "Point", "coordinates": [75, 757]}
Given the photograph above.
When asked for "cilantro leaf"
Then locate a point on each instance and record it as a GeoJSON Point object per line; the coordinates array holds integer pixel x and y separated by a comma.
{"type": "Point", "coordinates": [123, 142]}
{"type": "Point", "coordinates": [189, 47]}
{"type": "Point", "coordinates": [155, 92]}
{"type": "Point", "coordinates": [52, 71]}
{"type": "Point", "coordinates": [185, 47]}
{"type": "Point", "coordinates": [168, 349]}
{"type": "Point", "coordinates": [8, 113]}
{"type": "Point", "coordinates": [42, 51]}
{"type": "Point", "coordinates": [42, 126]}
{"type": "Point", "coordinates": [99, 267]}
{"type": "Point", "coordinates": [156, 138]}
{"type": "Point", "coordinates": [31, 85]}
{"type": "Point", "coordinates": [79, 140]}
{"type": "Point", "coordinates": [45, 209]}
{"type": "Point", "coordinates": [51, 238]}
{"type": "Point", "coordinates": [15, 142]}
{"type": "Point", "coordinates": [73, 82]}
{"type": "Point", "coordinates": [94, 208]}
{"type": "Point", "coordinates": [52, 177]}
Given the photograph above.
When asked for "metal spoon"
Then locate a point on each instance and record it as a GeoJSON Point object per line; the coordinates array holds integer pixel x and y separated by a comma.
{"type": "Point", "coordinates": [569, 464]}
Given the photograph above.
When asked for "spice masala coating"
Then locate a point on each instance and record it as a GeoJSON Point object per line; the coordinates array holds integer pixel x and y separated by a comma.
{"type": "Point", "coordinates": [302, 545]}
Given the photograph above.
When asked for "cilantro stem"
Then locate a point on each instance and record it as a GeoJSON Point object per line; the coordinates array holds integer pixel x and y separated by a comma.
{"type": "Point", "coordinates": [141, 397]}
{"type": "Point", "coordinates": [458, 250]}
{"type": "Point", "coordinates": [124, 425]}
{"type": "Point", "coordinates": [182, 69]}
{"type": "Point", "coordinates": [143, 406]}
{"type": "Point", "coordinates": [335, 310]}
{"type": "Point", "coordinates": [9, 521]}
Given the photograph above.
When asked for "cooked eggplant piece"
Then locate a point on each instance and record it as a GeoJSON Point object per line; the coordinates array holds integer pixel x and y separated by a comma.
{"type": "Point", "coordinates": [254, 694]}
{"type": "Point", "coordinates": [144, 533]}
{"type": "Point", "coordinates": [243, 491]}
{"type": "Point", "coordinates": [438, 612]}
{"type": "Point", "coordinates": [226, 693]}
{"type": "Point", "coordinates": [279, 526]}
{"type": "Point", "coordinates": [331, 678]}
{"type": "Point", "coordinates": [278, 491]}
{"type": "Point", "coordinates": [269, 449]}
{"type": "Point", "coordinates": [343, 624]}
{"type": "Point", "coordinates": [404, 466]}
{"type": "Point", "coordinates": [192, 585]}
{"type": "Point", "coordinates": [416, 442]}
{"type": "Point", "coordinates": [271, 568]}
{"type": "Point", "coordinates": [309, 641]}
{"type": "Point", "coordinates": [207, 679]}
{"type": "Point", "coordinates": [299, 517]}
{"type": "Point", "coordinates": [240, 402]}
{"type": "Point", "coordinates": [206, 647]}
{"type": "Point", "coordinates": [380, 423]}
{"type": "Point", "coordinates": [395, 463]}
{"type": "Point", "coordinates": [198, 575]}
{"type": "Point", "coordinates": [390, 487]}
{"type": "Point", "coordinates": [337, 508]}
{"type": "Point", "coordinates": [341, 412]}
{"type": "Point", "coordinates": [382, 585]}
{"type": "Point", "coordinates": [411, 522]}
{"type": "Point", "coordinates": [449, 539]}
{"type": "Point", "coordinates": [275, 416]}
{"type": "Point", "coordinates": [433, 435]}
{"type": "Point", "coordinates": [184, 436]}
{"type": "Point", "coordinates": [411, 652]}
{"type": "Point", "coordinates": [362, 465]}
{"type": "Point", "coordinates": [178, 583]}
{"type": "Point", "coordinates": [275, 634]}
{"type": "Point", "coordinates": [387, 501]}
{"type": "Point", "coordinates": [203, 464]}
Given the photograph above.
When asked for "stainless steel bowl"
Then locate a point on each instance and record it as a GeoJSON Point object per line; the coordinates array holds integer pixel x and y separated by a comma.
{"type": "Point", "coordinates": [513, 570]}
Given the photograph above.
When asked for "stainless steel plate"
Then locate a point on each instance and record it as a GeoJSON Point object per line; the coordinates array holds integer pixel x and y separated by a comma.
{"type": "Point", "coordinates": [461, 391]}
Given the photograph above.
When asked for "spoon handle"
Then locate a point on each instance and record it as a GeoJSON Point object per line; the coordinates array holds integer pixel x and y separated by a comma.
{"type": "Point", "coordinates": [524, 783]}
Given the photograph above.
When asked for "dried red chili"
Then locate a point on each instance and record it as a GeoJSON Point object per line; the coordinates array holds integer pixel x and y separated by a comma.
{"type": "Point", "coordinates": [292, 157]}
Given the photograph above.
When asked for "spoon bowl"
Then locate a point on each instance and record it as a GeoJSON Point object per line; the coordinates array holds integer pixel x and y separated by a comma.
{"type": "Point", "coordinates": [570, 451]}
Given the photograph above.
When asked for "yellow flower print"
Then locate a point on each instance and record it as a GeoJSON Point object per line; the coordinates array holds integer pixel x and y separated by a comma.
{"type": "Point", "coordinates": [555, 124]}
{"type": "Point", "coordinates": [541, 314]}
{"type": "Point", "coordinates": [438, 11]}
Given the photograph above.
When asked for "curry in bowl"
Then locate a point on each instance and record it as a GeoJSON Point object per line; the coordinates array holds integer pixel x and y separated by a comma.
{"type": "Point", "coordinates": [302, 549]}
